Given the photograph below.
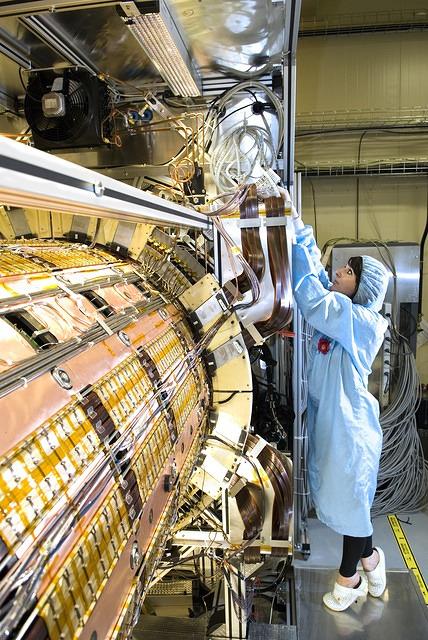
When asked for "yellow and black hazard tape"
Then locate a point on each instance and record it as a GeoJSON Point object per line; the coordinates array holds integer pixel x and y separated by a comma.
{"type": "Point", "coordinates": [408, 557]}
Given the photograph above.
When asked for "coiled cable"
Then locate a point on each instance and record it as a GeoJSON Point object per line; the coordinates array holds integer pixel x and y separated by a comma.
{"type": "Point", "coordinates": [236, 153]}
{"type": "Point", "coordinates": [403, 472]}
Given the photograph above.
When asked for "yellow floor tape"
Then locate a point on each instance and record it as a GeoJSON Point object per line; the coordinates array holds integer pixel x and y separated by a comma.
{"type": "Point", "coordinates": [408, 557]}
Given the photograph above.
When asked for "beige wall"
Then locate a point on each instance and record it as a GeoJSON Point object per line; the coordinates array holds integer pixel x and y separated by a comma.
{"type": "Point", "coordinates": [334, 12]}
{"type": "Point", "coordinates": [380, 76]}
{"type": "Point", "coordinates": [362, 81]}
{"type": "Point", "coordinates": [390, 210]}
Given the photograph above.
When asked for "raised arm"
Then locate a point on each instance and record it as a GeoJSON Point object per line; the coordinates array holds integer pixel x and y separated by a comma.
{"type": "Point", "coordinates": [305, 237]}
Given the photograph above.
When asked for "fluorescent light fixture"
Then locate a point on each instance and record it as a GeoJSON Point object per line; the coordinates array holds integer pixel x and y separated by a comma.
{"type": "Point", "coordinates": [155, 29]}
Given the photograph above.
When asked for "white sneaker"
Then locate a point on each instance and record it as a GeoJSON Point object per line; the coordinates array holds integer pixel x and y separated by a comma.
{"type": "Point", "coordinates": [342, 597]}
{"type": "Point", "coordinates": [377, 577]}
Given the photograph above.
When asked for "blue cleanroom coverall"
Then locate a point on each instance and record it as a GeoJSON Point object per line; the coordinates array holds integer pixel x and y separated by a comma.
{"type": "Point", "coordinates": [344, 435]}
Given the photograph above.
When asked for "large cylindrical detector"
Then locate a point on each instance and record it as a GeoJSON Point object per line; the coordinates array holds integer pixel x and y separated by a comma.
{"type": "Point", "coordinates": [103, 397]}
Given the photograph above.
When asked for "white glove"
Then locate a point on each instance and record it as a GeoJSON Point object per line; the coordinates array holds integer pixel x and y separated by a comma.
{"type": "Point", "coordinates": [295, 215]}
{"type": "Point", "coordinates": [267, 184]}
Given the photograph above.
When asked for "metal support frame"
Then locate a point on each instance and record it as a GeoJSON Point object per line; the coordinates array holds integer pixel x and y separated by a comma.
{"type": "Point", "coordinates": [33, 178]}
{"type": "Point", "coordinates": [236, 617]}
{"type": "Point", "coordinates": [289, 70]}
{"type": "Point", "coordinates": [298, 435]}
{"type": "Point", "coordinates": [14, 50]}
{"type": "Point", "coordinates": [56, 38]}
{"type": "Point", "coordinates": [7, 102]}
{"type": "Point", "coordinates": [32, 7]}
{"type": "Point", "coordinates": [214, 84]}
{"type": "Point", "coordinates": [292, 19]}
{"type": "Point", "coordinates": [235, 572]}
{"type": "Point", "coordinates": [416, 167]}
{"type": "Point", "coordinates": [17, 52]}
{"type": "Point", "coordinates": [299, 406]}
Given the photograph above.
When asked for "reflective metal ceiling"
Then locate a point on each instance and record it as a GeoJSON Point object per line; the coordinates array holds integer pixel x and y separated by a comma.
{"type": "Point", "coordinates": [236, 37]}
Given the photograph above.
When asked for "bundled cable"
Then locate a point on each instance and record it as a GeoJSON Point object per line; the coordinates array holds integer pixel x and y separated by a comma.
{"type": "Point", "coordinates": [235, 158]}
{"type": "Point", "coordinates": [403, 472]}
{"type": "Point", "coordinates": [250, 240]}
{"type": "Point", "coordinates": [303, 487]}
{"type": "Point", "coordinates": [278, 469]}
{"type": "Point", "coordinates": [249, 500]}
{"type": "Point", "coordinates": [279, 264]}
{"type": "Point", "coordinates": [233, 253]}
{"type": "Point", "coordinates": [236, 153]}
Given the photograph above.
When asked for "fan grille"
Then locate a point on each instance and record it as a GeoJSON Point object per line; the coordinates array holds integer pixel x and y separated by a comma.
{"type": "Point", "coordinates": [86, 100]}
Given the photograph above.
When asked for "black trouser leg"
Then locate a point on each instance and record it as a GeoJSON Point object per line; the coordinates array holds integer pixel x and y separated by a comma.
{"type": "Point", "coordinates": [353, 550]}
{"type": "Point", "coordinates": [368, 550]}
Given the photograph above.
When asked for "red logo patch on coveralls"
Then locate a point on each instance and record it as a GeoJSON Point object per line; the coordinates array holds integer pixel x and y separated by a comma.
{"type": "Point", "coordinates": [323, 345]}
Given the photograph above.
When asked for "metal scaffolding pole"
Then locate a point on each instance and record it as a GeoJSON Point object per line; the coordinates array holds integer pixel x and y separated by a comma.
{"type": "Point", "coordinates": [299, 405]}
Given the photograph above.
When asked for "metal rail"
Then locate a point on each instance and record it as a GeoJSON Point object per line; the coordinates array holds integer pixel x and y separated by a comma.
{"type": "Point", "coordinates": [44, 362]}
{"type": "Point", "coordinates": [410, 168]}
{"type": "Point", "coordinates": [18, 302]}
{"type": "Point", "coordinates": [299, 406]}
{"type": "Point", "coordinates": [33, 178]}
{"type": "Point", "coordinates": [27, 8]}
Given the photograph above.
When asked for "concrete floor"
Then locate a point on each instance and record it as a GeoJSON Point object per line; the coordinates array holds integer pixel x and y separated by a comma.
{"type": "Point", "coordinates": [326, 545]}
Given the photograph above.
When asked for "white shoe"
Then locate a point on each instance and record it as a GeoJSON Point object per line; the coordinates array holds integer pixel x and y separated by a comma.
{"type": "Point", "coordinates": [377, 577]}
{"type": "Point", "coordinates": [342, 597]}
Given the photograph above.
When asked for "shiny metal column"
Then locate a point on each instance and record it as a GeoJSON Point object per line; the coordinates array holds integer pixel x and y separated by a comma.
{"type": "Point", "coordinates": [299, 406]}
{"type": "Point", "coordinates": [235, 594]}
{"type": "Point", "coordinates": [292, 19]}
{"type": "Point", "coordinates": [299, 467]}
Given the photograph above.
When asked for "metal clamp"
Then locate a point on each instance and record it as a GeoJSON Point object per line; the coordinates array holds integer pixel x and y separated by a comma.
{"type": "Point", "coordinates": [62, 378]}
{"type": "Point", "coordinates": [279, 221]}
{"type": "Point", "coordinates": [99, 189]}
{"type": "Point", "coordinates": [249, 223]}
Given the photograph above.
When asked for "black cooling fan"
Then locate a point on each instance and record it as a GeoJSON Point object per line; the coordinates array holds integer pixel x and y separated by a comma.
{"type": "Point", "coordinates": [70, 108]}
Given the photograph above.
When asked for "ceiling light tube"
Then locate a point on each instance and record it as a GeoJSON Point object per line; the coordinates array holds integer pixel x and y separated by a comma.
{"type": "Point", "coordinates": [153, 26]}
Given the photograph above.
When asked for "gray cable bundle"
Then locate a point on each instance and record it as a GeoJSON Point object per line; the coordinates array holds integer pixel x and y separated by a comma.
{"type": "Point", "coordinates": [403, 472]}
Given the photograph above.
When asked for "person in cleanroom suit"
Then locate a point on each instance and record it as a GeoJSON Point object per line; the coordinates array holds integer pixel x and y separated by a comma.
{"type": "Point", "coordinates": [344, 434]}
